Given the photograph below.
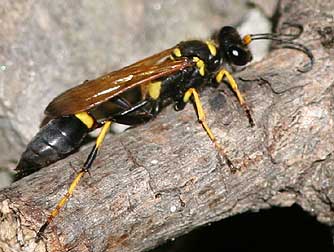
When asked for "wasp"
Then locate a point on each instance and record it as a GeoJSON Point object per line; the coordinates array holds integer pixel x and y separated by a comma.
{"type": "Point", "coordinates": [137, 93]}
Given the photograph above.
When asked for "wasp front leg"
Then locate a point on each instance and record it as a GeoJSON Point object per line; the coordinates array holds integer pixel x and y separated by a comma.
{"type": "Point", "coordinates": [192, 93]}
{"type": "Point", "coordinates": [233, 84]}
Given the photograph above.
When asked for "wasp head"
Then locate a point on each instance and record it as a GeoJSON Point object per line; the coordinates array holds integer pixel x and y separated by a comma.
{"type": "Point", "coordinates": [233, 49]}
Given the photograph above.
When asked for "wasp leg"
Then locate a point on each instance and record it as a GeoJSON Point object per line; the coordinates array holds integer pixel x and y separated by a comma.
{"type": "Point", "coordinates": [121, 102]}
{"type": "Point", "coordinates": [139, 113]}
{"type": "Point", "coordinates": [89, 161]}
{"type": "Point", "coordinates": [139, 106]}
{"type": "Point", "coordinates": [219, 77]}
{"type": "Point", "coordinates": [129, 108]}
{"type": "Point", "coordinates": [192, 93]}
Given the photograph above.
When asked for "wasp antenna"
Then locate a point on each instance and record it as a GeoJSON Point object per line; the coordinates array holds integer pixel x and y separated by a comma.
{"type": "Point", "coordinates": [297, 46]}
{"type": "Point", "coordinates": [285, 36]}
{"type": "Point", "coordinates": [298, 27]}
{"type": "Point", "coordinates": [286, 41]}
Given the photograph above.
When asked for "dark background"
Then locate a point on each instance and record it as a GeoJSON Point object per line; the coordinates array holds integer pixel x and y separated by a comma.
{"type": "Point", "coordinates": [277, 229]}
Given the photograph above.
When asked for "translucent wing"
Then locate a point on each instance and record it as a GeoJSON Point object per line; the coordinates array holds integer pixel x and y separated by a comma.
{"type": "Point", "coordinates": [94, 92]}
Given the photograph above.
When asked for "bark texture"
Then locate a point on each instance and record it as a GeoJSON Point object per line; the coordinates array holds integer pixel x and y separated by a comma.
{"type": "Point", "coordinates": [165, 178]}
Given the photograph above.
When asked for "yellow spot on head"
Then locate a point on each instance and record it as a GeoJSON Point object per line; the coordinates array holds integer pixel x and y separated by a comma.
{"type": "Point", "coordinates": [85, 118]}
{"type": "Point", "coordinates": [247, 39]}
{"type": "Point", "coordinates": [212, 47]}
{"type": "Point", "coordinates": [177, 52]}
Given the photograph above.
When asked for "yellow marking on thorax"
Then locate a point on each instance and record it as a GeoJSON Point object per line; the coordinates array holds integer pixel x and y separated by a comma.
{"type": "Point", "coordinates": [177, 52]}
{"type": "Point", "coordinates": [200, 65]}
{"type": "Point", "coordinates": [154, 89]}
{"type": "Point", "coordinates": [212, 47]}
{"type": "Point", "coordinates": [86, 119]}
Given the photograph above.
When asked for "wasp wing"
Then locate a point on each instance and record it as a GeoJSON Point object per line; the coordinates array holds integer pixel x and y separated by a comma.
{"type": "Point", "coordinates": [151, 60]}
{"type": "Point", "coordinates": [94, 92]}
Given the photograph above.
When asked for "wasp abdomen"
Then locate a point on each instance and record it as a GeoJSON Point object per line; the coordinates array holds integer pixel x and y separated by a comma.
{"type": "Point", "coordinates": [56, 140]}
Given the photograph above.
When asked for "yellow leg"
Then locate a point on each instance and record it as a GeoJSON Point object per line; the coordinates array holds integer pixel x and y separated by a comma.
{"type": "Point", "coordinates": [76, 180]}
{"type": "Point", "coordinates": [219, 77]}
{"type": "Point", "coordinates": [191, 92]}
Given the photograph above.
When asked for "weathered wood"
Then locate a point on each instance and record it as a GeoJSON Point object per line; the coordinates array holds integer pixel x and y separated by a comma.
{"type": "Point", "coordinates": [165, 178]}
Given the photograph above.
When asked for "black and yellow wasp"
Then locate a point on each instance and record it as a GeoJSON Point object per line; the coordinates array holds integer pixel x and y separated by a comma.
{"type": "Point", "coordinates": [137, 93]}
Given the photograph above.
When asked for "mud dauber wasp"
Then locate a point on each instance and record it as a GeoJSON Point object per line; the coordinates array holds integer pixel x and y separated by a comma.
{"type": "Point", "coordinates": [137, 93]}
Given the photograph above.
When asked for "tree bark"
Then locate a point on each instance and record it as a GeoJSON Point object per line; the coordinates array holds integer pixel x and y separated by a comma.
{"type": "Point", "coordinates": [165, 178]}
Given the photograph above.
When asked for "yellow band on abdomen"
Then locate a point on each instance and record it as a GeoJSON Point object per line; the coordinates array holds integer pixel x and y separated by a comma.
{"type": "Point", "coordinates": [86, 119]}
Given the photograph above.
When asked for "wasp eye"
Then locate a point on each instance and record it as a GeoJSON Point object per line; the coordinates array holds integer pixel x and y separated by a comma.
{"type": "Point", "coordinates": [238, 56]}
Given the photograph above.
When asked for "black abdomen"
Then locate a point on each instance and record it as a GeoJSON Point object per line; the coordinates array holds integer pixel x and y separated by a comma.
{"type": "Point", "coordinates": [56, 140]}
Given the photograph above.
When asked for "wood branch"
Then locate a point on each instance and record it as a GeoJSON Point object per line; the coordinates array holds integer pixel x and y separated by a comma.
{"type": "Point", "coordinates": [165, 178]}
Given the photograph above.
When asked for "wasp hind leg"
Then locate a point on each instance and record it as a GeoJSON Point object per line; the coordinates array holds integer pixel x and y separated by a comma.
{"type": "Point", "coordinates": [192, 93]}
{"type": "Point", "coordinates": [233, 84]}
{"type": "Point", "coordinates": [87, 165]}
